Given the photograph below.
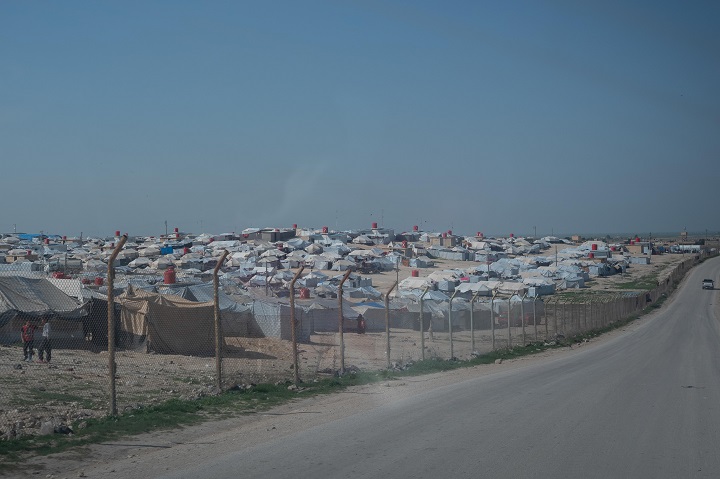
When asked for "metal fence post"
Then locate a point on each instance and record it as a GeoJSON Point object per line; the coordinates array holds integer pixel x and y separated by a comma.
{"type": "Point", "coordinates": [111, 323]}
{"type": "Point", "coordinates": [522, 318]}
{"type": "Point", "coordinates": [340, 321]}
{"type": "Point", "coordinates": [509, 317]}
{"type": "Point", "coordinates": [216, 308]}
{"type": "Point", "coordinates": [472, 322]}
{"type": "Point", "coordinates": [422, 324]}
{"type": "Point", "coordinates": [387, 322]}
{"type": "Point", "coordinates": [450, 330]}
{"type": "Point", "coordinates": [296, 366]}
{"type": "Point", "coordinates": [535, 316]}
{"type": "Point", "coordinates": [492, 319]}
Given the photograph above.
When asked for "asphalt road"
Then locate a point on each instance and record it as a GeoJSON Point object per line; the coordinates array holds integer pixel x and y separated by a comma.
{"type": "Point", "coordinates": [644, 404]}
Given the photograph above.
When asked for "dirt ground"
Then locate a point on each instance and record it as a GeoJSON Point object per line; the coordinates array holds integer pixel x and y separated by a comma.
{"type": "Point", "coordinates": [37, 397]}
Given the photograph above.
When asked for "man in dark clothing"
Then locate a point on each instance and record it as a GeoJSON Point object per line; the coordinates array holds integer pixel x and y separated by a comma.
{"type": "Point", "coordinates": [45, 345]}
{"type": "Point", "coordinates": [27, 334]}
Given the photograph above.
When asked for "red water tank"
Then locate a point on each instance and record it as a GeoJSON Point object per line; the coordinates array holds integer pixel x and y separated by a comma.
{"type": "Point", "coordinates": [594, 247]}
{"type": "Point", "coordinates": [47, 240]}
{"type": "Point", "coordinates": [304, 293]}
{"type": "Point", "coordinates": [177, 230]}
{"type": "Point", "coordinates": [512, 235]}
{"type": "Point", "coordinates": [415, 273]}
{"type": "Point", "coordinates": [591, 255]}
{"type": "Point", "coordinates": [294, 226]}
{"type": "Point", "coordinates": [98, 281]}
{"type": "Point", "coordinates": [415, 228]}
{"type": "Point", "coordinates": [325, 229]}
{"type": "Point", "coordinates": [449, 232]}
{"type": "Point", "coordinates": [169, 276]}
{"type": "Point", "coordinates": [117, 233]}
{"type": "Point", "coordinates": [374, 226]}
{"type": "Point", "coordinates": [59, 275]}
{"type": "Point", "coordinates": [404, 243]}
{"type": "Point", "coordinates": [186, 250]}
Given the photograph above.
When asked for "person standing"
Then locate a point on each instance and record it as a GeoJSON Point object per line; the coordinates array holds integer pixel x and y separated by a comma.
{"type": "Point", "coordinates": [45, 344]}
{"type": "Point", "coordinates": [27, 334]}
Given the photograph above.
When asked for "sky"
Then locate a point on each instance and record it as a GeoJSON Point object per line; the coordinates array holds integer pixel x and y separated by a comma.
{"type": "Point", "coordinates": [524, 117]}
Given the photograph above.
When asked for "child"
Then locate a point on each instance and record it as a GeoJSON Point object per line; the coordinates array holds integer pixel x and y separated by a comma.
{"type": "Point", "coordinates": [27, 334]}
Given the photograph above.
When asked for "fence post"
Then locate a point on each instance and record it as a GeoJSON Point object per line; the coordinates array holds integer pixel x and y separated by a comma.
{"type": "Point", "coordinates": [216, 308]}
{"type": "Point", "coordinates": [472, 322]}
{"type": "Point", "coordinates": [522, 319]}
{"type": "Point", "coordinates": [387, 322]}
{"type": "Point", "coordinates": [111, 322]}
{"type": "Point", "coordinates": [555, 317]}
{"type": "Point", "coordinates": [535, 316]}
{"type": "Point", "coordinates": [492, 319]}
{"type": "Point", "coordinates": [508, 320]}
{"type": "Point", "coordinates": [296, 366]}
{"type": "Point", "coordinates": [422, 325]}
{"type": "Point", "coordinates": [452, 354]}
{"type": "Point", "coordinates": [340, 321]}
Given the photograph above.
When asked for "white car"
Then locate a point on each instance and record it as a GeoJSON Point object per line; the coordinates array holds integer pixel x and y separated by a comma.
{"type": "Point", "coordinates": [708, 284]}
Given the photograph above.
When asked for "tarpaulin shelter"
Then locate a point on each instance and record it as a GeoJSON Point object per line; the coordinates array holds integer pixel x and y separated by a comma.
{"type": "Point", "coordinates": [23, 298]}
{"type": "Point", "coordinates": [235, 318]}
{"type": "Point", "coordinates": [166, 324]}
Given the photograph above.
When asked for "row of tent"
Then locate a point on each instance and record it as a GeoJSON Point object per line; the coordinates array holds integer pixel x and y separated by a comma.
{"type": "Point", "coordinates": [180, 319]}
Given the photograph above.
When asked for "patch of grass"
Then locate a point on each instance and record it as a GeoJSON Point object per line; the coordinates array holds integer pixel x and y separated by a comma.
{"type": "Point", "coordinates": [645, 283]}
{"type": "Point", "coordinates": [582, 296]}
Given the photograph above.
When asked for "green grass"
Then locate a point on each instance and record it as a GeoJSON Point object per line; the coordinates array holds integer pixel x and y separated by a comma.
{"type": "Point", "coordinates": [645, 283]}
{"type": "Point", "coordinates": [582, 296]}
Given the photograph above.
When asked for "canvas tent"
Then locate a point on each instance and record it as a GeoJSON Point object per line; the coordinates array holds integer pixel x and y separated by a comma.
{"type": "Point", "coordinates": [166, 324]}
{"type": "Point", "coordinates": [34, 298]}
{"type": "Point", "coordinates": [235, 318]}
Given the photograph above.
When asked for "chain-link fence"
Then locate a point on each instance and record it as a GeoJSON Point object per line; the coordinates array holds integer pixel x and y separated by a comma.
{"type": "Point", "coordinates": [56, 357]}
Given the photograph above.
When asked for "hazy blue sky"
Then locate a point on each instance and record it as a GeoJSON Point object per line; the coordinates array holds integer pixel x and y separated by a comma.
{"type": "Point", "coordinates": [465, 115]}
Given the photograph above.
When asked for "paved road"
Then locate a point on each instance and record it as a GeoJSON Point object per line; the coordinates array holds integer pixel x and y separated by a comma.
{"type": "Point", "coordinates": [645, 404]}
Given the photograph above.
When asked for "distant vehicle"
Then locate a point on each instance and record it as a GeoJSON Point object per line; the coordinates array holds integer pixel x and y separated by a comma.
{"type": "Point", "coordinates": [708, 284]}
